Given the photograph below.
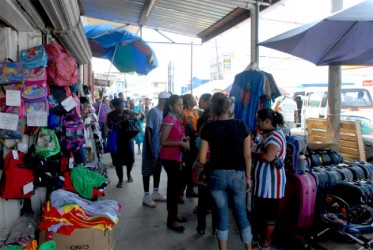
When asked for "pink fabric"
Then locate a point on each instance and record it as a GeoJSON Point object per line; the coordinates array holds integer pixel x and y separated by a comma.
{"type": "Point", "coordinates": [176, 134]}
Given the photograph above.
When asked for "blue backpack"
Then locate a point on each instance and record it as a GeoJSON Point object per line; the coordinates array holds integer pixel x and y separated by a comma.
{"type": "Point", "coordinates": [295, 146]}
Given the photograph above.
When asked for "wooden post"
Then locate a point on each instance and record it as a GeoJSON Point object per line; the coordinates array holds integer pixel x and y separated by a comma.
{"type": "Point", "coordinates": [334, 93]}
{"type": "Point", "coordinates": [334, 105]}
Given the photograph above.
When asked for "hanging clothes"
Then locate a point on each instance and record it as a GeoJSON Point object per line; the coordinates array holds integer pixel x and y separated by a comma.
{"type": "Point", "coordinates": [252, 90]}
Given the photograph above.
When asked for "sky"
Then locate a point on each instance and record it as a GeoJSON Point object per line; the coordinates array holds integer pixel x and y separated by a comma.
{"type": "Point", "coordinates": [286, 69]}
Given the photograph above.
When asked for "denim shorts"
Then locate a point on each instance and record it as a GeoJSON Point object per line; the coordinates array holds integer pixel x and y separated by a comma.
{"type": "Point", "coordinates": [230, 185]}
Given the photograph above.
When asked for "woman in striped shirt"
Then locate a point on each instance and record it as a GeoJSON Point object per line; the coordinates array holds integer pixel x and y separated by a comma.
{"type": "Point", "coordinates": [269, 174]}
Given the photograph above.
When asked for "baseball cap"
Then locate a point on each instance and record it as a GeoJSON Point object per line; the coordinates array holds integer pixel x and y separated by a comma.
{"type": "Point", "coordinates": [164, 95]}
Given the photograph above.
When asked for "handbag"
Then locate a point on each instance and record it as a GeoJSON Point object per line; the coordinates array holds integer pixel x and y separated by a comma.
{"type": "Point", "coordinates": [111, 142]}
{"type": "Point", "coordinates": [130, 129]}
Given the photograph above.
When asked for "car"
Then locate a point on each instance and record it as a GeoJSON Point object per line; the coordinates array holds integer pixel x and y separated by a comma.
{"type": "Point", "coordinates": [366, 122]}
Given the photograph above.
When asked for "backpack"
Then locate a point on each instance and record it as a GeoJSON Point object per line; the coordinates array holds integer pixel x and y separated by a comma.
{"type": "Point", "coordinates": [11, 72]}
{"type": "Point", "coordinates": [34, 57]}
{"type": "Point", "coordinates": [36, 75]}
{"type": "Point", "coordinates": [55, 96]}
{"type": "Point", "coordinates": [15, 177]}
{"type": "Point", "coordinates": [72, 136]}
{"type": "Point", "coordinates": [35, 93]}
{"type": "Point", "coordinates": [46, 143]}
{"type": "Point", "coordinates": [295, 146]}
{"type": "Point", "coordinates": [46, 170]}
{"type": "Point", "coordinates": [62, 69]}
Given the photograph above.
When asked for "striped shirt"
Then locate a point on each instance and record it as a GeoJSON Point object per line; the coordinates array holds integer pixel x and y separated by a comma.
{"type": "Point", "coordinates": [269, 181]}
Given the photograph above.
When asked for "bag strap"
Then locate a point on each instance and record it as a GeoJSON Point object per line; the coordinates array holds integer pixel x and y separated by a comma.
{"type": "Point", "coordinates": [2, 141]}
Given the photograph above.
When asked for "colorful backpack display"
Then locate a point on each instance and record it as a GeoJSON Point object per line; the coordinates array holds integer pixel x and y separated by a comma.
{"type": "Point", "coordinates": [15, 176]}
{"type": "Point", "coordinates": [34, 57]}
{"type": "Point", "coordinates": [62, 69]}
{"type": "Point", "coordinates": [72, 136]}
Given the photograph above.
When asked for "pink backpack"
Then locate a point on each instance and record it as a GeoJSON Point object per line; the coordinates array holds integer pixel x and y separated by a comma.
{"type": "Point", "coordinates": [62, 69]}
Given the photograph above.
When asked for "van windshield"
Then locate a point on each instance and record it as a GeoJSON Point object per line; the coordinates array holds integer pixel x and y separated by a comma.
{"type": "Point", "coordinates": [355, 98]}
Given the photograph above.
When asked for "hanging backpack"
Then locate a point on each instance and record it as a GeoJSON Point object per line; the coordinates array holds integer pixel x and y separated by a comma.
{"type": "Point", "coordinates": [35, 95]}
{"type": "Point", "coordinates": [46, 143]}
{"type": "Point", "coordinates": [34, 57]}
{"type": "Point", "coordinates": [62, 69]}
{"type": "Point", "coordinates": [72, 136]}
{"type": "Point", "coordinates": [11, 72]}
{"type": "Point", "coordinates": [15, 177]}
{"type": "Point", "coordinates": [56, 95]}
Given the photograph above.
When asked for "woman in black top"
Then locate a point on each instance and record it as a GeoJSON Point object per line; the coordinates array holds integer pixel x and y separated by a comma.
{"type": "Point", "coordinates": [229, 168]}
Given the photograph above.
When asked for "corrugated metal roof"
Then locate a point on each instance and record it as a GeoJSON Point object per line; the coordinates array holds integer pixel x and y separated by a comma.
{"type": "Point", "coordinates": [197, 18]}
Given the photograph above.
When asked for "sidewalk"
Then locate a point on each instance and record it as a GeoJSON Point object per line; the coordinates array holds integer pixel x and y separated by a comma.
{"type": "Point", "coordinates": [145, 228]}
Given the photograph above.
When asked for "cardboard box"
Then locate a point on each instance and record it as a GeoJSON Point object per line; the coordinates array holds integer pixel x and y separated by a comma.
{"type": "Point", "coordinates": [82, 238]}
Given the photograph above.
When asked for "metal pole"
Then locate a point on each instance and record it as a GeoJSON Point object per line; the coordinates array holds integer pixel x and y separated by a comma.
{"type": "Point", "coordinates": [107, 77]}
{"type": "Point", "coordinates": [254, 16]}
{"type": "Point", "coordinates": [191, 68]}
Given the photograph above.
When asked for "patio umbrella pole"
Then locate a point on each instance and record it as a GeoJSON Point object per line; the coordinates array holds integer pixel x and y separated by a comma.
{"type": "Point", "coordinates": [107, 77]}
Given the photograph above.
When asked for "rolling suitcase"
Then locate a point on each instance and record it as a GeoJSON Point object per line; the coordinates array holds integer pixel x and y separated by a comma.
{"type": "Point", "coordinates": [299, 201]}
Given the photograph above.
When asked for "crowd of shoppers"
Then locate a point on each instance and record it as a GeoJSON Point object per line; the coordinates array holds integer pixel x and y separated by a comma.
{"type": "Point", "coordinates": [235, 160]}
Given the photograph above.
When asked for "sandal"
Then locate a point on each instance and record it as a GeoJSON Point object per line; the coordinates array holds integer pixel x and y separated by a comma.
{"type": "Point", "coordinates": [182, 219]}
{"type": "Point", "coordinates": [178, 229]}
{"type": "Point", "coordinates": [130, 179]}
{"type": "Point", "coordinates": [120, 184]}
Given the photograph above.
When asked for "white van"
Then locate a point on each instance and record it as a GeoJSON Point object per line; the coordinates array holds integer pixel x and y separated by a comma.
{"type": "Point", "coordinates": [352, 99]}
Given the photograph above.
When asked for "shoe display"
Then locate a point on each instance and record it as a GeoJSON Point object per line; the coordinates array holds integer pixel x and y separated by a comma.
{"type": "Point", "coordinates": [148, 201]}
{"type": "Point", "coordinates": [158, 197]}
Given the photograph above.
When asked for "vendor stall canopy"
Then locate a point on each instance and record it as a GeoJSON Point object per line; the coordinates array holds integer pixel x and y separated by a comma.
{"type": "Point", "coordinates": [204, 19]}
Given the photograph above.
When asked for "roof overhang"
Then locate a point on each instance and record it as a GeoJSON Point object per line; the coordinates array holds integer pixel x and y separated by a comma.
{"type": "Point", "coordinates": [204, 19]}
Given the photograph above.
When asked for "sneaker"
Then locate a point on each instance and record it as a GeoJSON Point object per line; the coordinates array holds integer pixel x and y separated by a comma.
{"type": "Point", "coordinates": [158, 197]}
{"type": "Point", "coordinates": [148, 201]}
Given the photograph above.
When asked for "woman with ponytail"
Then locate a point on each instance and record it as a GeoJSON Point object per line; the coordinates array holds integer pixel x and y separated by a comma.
{"type": "Point", "coordinates": [269, 174]}
{"type": "Point", "coordinates": [173, 144]}
{"type": "Point", "coordinates": [228, 169]}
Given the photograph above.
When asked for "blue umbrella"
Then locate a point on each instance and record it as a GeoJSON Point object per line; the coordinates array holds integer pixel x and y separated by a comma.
{"type": "Point", "coordinates": [344, 38]}
{"type": "Point", "coordinates": [127, 51]}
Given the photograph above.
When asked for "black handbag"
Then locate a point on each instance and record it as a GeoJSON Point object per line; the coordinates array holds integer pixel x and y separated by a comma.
{"type": "Point", "coordinates": [130, 129]}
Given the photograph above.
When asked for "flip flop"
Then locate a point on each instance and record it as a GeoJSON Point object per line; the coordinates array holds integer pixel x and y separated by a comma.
{"type": "Point", "coordinates": [182, 219]}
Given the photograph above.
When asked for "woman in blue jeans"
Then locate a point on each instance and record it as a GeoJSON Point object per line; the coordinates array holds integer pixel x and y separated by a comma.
{"type": "Point", "coordinates": [229, 168]}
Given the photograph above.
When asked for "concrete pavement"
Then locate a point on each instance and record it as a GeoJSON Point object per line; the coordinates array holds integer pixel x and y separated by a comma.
{"type": "Point", "coordinates": [142, 227]}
